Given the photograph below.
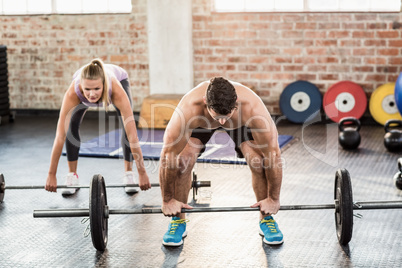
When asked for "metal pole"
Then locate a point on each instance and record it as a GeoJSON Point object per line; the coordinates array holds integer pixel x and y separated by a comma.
{"type": "Point", "coordinates": [55, 213]}
{"type": "Point", "coordinates": [85, 212]}
{"type": "Point", "coordinates": [22, 187]}
{"type": "Point", "coordinates": [377, 205]}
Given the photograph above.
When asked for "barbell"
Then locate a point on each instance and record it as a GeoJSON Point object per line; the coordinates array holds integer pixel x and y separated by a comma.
{"type": "Point", "coordinates": [99, 211]}
{"type": "Point", "coordinates": [3, 187]}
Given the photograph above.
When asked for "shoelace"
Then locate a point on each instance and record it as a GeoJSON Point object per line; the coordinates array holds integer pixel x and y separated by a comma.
{"type": "Point", "coordinates": [175, 223]}
{"type": "Point", "coordinates": [271, 225]}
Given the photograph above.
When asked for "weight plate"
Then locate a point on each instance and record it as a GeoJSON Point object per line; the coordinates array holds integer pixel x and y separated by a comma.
{"type": "Point", "coordinates": [3, 83]}
{"type": "Point", "coordinates": [194, 186]}
{"type": "Point", "coordinates": [300, 100]}
{"type": "Point", "coordinates": [398, 93]}
{"type": "Point", "coordinates": [5, 107]}
{"type": "Point", "coordinates": [2, 187]}
{"type": "Point", "coordinates": [3, 59]}
{"type": "Point", "coordinates": [344, 99]}
{"type": "Point", "coordinates": [343, 206]}
{"type": "Point", "coordinates": [382, 104]}
{"type": "Point", "coordinates": [3, 48]}
{"type": "Point", "coordinates": [3, 89]}
{"type": "Point", "coordinates": [4, 95]}
{"type": "Point", "coordinates": [4, 101]}
{"type": "Point", "coordinates": [97, 217]}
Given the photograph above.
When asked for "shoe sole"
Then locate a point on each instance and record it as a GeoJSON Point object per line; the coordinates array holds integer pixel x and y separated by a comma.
{"type": "Point", "coordinates": [68, 192]}
{"type": "Point", "coordinates": [270, 243]}
{"type": "Point", "coordinates": [173, 244]}
{"type": "Point", "coordinates": [130, 190]}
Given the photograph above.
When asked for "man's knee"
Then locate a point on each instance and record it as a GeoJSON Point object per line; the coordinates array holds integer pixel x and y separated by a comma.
{"type": "Point", "coordinates": [186, 162]}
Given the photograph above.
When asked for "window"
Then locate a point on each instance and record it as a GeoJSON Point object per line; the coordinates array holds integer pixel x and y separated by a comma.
{"type": "Point", "coordinates": [22, 7]}
{"type": "Point", "coordinates": [307, 5]}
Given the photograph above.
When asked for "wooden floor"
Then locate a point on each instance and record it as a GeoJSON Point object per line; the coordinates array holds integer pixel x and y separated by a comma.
{"type": "Point", "coordinates": [214, 239]}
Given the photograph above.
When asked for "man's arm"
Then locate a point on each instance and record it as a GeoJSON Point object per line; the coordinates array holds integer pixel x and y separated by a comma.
{"type": "Point", "coordinates": [175, 139]}
{"type": "Point", "coordinates": [266, 137]}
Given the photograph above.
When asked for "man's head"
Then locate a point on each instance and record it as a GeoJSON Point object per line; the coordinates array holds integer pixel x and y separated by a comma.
{"type": "Point", "coordinates": [221, 96]}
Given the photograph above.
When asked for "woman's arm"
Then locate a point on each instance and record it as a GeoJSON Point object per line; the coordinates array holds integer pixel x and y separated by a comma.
{"type": "Point", "coordinates": [70, 101]}
{"type": "Point", "coordinates": [121, 101]}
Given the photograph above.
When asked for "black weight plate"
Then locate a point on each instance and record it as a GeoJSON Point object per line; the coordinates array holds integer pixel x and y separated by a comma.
{"type": "Point", "coordinates": [3, 89]}
{"type": "Point", "coordinates": [3, 83]}
{"type": "Point", "coordinates": [5, 112]}
{"type": "Point", "coordinates": [3, 77]}
{"type": "Point", "coordinates": [3, 48]}
{"type": "Point", "coordinates": [3, 66]}
{"type": "Point", "coordinates": [4, 95]}
{"type": "Point", "coordinates": [2, 188]}
{"type": "Point", "coordinates": [300, 101]}
{"type": "Point", "coordinates": [3, 54]}
{"type": "Point", "coordinates": [3, 71]}
{"type": "Point", "coordinates": [98, 220]}
{"type": "Point", "coordinates": [194, 186]}
{"type": "Point", "coordinates": [3, 59]}
{"type": "Point", "coordinates": [4, 101]}
{"type": "Point", "coordinates": [4, 107]}
{"type": "Point", "coordinates": [343, 206]}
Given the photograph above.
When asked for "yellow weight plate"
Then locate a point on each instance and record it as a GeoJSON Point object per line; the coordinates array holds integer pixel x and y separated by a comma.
{"type": "Point", "coordinates": [382, 104]}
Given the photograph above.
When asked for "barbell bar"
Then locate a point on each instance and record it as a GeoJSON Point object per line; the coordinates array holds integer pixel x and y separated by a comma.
{"type": "Point", "coordinates": [3, 187]}
{"type": "Point", "coordinates": [70, 213]}
{"type": "Point", "coordinates": [99, 211]}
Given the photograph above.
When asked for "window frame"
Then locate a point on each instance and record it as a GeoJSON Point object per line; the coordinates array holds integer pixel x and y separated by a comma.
{"type": "Point", "coordinates": [305, 9]}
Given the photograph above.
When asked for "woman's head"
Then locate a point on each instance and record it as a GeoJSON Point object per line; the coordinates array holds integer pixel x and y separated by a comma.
{"type": "Point", "coordinates": [94, 82]}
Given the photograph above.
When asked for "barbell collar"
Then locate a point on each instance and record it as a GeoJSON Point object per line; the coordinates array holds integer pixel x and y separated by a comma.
{"type": "Point", "coordinates": [199, 184]}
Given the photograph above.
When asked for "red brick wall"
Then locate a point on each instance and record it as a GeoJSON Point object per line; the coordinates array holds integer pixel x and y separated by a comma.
{"type": "Point", "coordinates": [45, 51]}
{"type": "Point", "coordinates": [267, 51]}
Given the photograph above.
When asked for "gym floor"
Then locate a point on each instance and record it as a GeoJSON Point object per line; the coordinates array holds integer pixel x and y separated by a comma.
{"type": "Point", "coordinates": [214, 239]}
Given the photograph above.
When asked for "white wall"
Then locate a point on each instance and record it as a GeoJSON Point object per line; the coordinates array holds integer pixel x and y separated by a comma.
{"type": "Point", "coordinates": [170, 46]}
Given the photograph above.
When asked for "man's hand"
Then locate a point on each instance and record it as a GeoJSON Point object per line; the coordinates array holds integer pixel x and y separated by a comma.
{"type": "Point", "coordinates": [173, 207]}
{"type": "Point", "coordinates": [267, 206]}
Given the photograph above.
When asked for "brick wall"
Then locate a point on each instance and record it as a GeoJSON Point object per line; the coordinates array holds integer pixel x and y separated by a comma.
{"type": "Point", "coordinates": [45, 51]}
{"type": "Point", "coordinates": [267, 51]}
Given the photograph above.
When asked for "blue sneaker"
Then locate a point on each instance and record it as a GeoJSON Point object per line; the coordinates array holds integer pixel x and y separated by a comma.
{"type": "Point", "coordinates": [176, 232]}
{"type": "Point", "coordinates": [270, 231]}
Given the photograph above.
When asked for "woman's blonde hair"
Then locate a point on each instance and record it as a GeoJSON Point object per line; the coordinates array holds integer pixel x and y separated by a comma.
{"type": "Point", "coordinates": [95, 70]}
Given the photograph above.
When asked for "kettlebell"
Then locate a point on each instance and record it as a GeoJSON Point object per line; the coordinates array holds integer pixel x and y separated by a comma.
{"type": "Point", "coordinates": [349, 136]}
{"type": "Point", "coordinates": [393, 137]}
{"type": "Point", "coordinates": [398, 176]}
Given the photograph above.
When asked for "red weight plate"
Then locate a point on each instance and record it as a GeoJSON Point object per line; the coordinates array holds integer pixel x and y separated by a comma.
{"type": "Point", "coordinates": [344, 99]}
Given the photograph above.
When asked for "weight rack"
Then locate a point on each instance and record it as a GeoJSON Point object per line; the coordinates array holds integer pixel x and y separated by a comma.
{"type": "Point", "coordinates": [4, 94]}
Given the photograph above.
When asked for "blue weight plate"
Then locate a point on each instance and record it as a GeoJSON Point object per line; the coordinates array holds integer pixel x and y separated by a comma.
{"type": "Point", "coordinates": [398, 93]}
{"type": "Point", "coordinates": [300, 101]}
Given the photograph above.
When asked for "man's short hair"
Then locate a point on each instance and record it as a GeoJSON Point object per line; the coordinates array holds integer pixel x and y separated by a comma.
{"type": "Point", "coordinates": [221, 96]}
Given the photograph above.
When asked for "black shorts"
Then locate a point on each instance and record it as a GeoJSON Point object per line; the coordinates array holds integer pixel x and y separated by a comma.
{"type": "Point", "coordinates": [238, 135]}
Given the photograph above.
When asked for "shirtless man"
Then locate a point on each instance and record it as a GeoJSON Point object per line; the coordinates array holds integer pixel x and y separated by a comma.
{"type": "Point", "coordinates": [212, 105]}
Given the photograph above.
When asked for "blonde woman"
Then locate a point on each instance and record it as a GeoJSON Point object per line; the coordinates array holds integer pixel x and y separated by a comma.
{"type": "Point", "coordinates": [96, 84]}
